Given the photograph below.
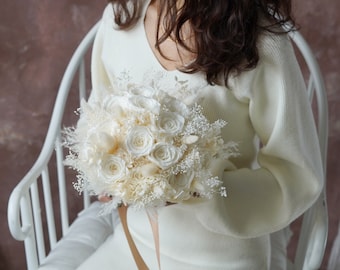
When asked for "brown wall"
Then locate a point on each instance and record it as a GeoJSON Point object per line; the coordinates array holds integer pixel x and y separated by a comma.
{"type": "Point", "coordinates": [37, 39]}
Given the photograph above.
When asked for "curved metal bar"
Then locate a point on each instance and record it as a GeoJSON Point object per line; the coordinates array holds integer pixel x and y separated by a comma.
{"type": "Point", "coordinates": [17, 231]}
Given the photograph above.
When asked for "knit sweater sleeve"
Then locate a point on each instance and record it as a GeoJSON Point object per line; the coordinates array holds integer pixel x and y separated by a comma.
{"type": "Point", "coordinates": [289, 178]}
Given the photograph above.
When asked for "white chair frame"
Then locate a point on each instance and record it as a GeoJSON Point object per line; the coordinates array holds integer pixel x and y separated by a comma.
{"type": "Point", "coordinates": [24, 209]}
{"type": "Point", "coordinates": [314, 230]}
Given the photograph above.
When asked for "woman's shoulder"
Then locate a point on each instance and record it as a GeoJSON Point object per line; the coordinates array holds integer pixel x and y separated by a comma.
{"type": "Point", "coordinates": [108, 13]}
{"type": "Point", "coordinates": [276, 57]}
{"type": "Point", "coordinates": [274, 46]}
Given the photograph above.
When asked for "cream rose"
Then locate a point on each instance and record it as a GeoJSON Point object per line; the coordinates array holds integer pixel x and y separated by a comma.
{"type": "Point", "coordinates": [139, 141]}
{"type": "Point", "coordinates": [143, 91]}
{"type": "Point", "coordinates": [170, 123]}
{"type": "Point", "coordinates": [112, 168]}
{"type": "Point", "coordinates": [114, 105]}
{"type": "Point", "coordinates": [146, 103]}
{"type": "Point", "coordinates": [174, 105]}
{"type": "Point", "coordinates": [165, 155]}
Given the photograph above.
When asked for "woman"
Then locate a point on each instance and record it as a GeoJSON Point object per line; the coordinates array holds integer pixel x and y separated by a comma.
{"type": "Point", "coordinates": [232, 58]}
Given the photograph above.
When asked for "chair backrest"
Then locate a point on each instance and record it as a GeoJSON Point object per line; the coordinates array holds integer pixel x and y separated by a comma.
{"type": "Point", "coordinates": [32, 200]}
{"type": "Point", "coordinates": [34, 194]}
{"type": "Point", "coordinates": [314, 229]}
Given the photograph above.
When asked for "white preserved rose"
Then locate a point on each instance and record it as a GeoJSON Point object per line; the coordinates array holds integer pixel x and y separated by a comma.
{"type": "Point", "coordinates": [174, 105]}
{"type": "Point", "coordinates": [139, 141]}
{"type": "Point", "coordinates": [142, 91]}
{"type": "Point", "coordinates": [113, 105]}
{"type": "Point", "coordinates": [165, 155]}
{"type": "Point", "coordinates": [112, 168]}
{"type": "Point", "coordinates": [170, 123]}
{"type": "Point", "coordinates": [146, 103]}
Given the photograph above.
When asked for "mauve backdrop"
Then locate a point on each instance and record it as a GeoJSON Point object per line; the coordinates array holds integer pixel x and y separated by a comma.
{"type": "Point", "coordinates": [37, 39]}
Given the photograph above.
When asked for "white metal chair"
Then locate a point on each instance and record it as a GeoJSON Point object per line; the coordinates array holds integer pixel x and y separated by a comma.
{"type": "Point", "coordinates": [314, 229]}
{"type": "Point", "coordinates": [24, 208]}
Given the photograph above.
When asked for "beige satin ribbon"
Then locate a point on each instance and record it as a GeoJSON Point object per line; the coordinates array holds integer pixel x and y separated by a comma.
{"type": "Point", "coordinates": [153, 218]}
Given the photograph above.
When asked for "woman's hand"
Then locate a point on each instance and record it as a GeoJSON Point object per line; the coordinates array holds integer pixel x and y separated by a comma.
{"type": "Point", "coordinates": [104, 198]}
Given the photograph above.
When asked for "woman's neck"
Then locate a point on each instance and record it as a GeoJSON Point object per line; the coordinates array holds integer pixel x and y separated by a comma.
{"type": "Point", "coordinates": [171, 54]}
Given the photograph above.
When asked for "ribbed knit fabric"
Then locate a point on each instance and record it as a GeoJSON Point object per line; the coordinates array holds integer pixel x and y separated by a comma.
{"type": "Point", "coordinates": [267, 188]}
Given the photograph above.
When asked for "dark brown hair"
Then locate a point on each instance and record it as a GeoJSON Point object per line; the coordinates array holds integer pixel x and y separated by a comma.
{"type": "Point", "coordinates": [226, 31]}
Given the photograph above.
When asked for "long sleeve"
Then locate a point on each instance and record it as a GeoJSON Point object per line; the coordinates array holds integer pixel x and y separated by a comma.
{"type": "Point", "coordinates": [288, 179]}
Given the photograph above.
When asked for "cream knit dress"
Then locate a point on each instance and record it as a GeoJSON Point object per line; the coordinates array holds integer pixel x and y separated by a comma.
{"type": "Point", "coordinates": [268, 187]}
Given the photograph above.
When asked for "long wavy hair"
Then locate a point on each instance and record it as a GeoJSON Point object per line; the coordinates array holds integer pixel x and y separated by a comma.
{"type": "Point", "coordinates": [226, 31]}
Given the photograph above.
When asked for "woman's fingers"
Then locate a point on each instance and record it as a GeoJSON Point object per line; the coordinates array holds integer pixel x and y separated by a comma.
{"type": "Point", "coordinates": [104, 198]}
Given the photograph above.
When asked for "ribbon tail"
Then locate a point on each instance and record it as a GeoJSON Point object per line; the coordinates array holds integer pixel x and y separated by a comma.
{"type": "Point", "coordinates": [122, 210]}
{"type": "Point", "coordinates": [153, 218]}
